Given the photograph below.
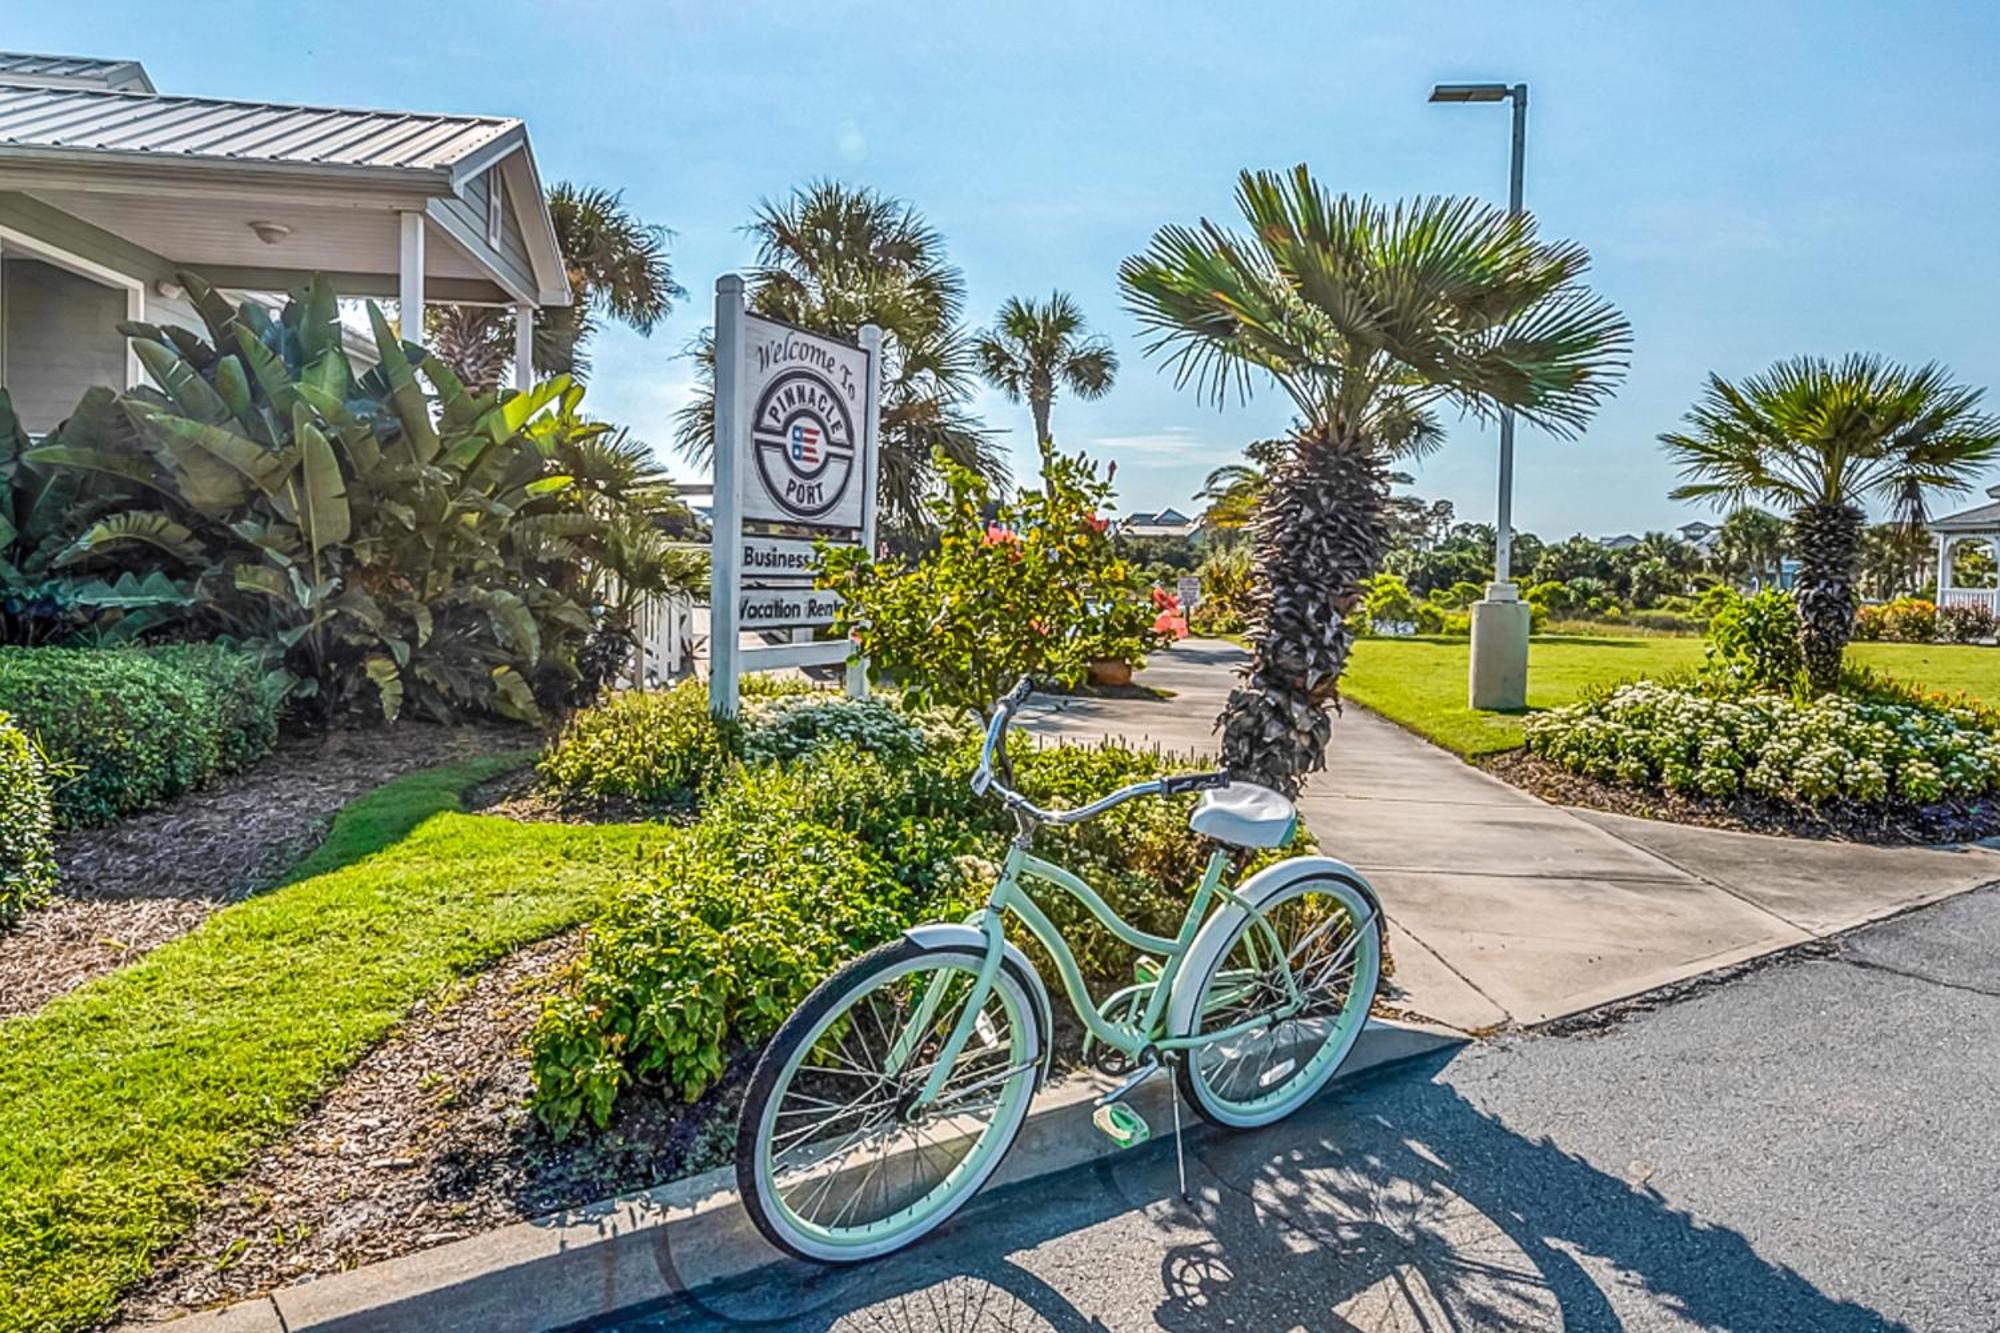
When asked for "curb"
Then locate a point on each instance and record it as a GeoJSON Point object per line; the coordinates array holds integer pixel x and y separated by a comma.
{"type": "Point", "coordinates": [583, 1264]}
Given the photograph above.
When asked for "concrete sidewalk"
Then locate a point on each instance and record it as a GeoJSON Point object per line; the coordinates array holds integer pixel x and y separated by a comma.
{"type": "Point", "coordinates": [1504, 908]}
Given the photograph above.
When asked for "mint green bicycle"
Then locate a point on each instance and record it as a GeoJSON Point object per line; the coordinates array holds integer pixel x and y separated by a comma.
{"type": "Point", "coordinates": [893, 1092]}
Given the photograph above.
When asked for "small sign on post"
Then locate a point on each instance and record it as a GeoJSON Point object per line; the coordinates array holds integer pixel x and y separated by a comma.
{"type": "Point", "coordinates": [796, 420]}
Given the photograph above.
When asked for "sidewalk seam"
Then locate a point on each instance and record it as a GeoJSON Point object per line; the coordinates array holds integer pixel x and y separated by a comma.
{"type": "Point", "coordinates": [1506, 1013]}
{"type": "Point", "coordinates": [1696, 875]}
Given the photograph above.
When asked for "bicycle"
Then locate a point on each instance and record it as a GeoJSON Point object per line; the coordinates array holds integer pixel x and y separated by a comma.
{"type": "Point", "coordinates": [892, 1093]}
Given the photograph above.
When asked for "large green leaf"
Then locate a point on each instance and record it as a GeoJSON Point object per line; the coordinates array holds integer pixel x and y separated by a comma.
{"type": "Point", "coordinates": [388, 685]}
{"type": "Point", "coordinates": [318, 320]}
{"type": "Point", "coordinates": [182, 383]}
{"type": "Point", "coordinates": [214, 464]}
{"type": "Point", "coordinates": [268, 369]}
{"type": "Point", "coordinates": [514, 698]}
{"type": "Point", "coordinates": [405, 394]}
{"type": "Point", "coordinates": [320, 489]}
{"type": "Point", "coordinates": [148, 527]}
{"type": "Point", "coordinates": [222, 318]}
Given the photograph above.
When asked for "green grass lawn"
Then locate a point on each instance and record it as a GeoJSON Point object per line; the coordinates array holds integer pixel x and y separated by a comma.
{"type": "Point", "coordinates": [1420, 683]}
{"type": "Point", "coordinates": [121, 1102]}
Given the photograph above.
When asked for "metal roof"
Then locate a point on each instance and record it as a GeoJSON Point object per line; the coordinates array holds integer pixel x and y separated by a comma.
{"type": "Point", "coordinates": [73, 71]}
{"type": "Point", "coordinates": [194, 128]}
{"type": "Point", "coordinates": [1982, 518]}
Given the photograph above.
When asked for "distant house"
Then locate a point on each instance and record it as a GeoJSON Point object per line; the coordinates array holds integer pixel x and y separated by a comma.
{"type": "Point", "coordinates": [1700, 535]}
{"type": "Point", "coordinates": [109, 187]}
{"type": "Point", "coordinates": [1624, 541]}
{"type": "Point", "coordinates": [1165, 523]}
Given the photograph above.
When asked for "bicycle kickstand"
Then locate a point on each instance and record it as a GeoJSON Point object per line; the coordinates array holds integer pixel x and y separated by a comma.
{"type": "Point", "coordinates": [1180, 1158]}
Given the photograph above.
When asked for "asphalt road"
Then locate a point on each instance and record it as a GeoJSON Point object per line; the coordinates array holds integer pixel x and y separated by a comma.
{"type": "Point", "coordinates": [1812, 1145]}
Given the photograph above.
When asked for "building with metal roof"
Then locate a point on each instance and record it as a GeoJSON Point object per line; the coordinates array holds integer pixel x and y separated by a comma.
{"type": "Point", "coordinates": [109, 188]}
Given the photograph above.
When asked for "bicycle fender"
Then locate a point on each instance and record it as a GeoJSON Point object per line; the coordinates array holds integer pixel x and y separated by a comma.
{"type": "Point", "coordinates": [957, 935]}
{"type": "Point", "coordinates": [1215, 932]}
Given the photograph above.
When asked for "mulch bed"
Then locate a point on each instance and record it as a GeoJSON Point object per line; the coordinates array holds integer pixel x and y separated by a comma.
{"type": "Point", "coordinates": [145, 880]}
{"type": "Point", "coordinates": [1940, 822]}
{"type": "Point", "coordinates": [428, 1140]}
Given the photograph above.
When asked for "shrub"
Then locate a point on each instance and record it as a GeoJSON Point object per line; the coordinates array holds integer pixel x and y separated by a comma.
{"type": "Point", "coordinates": [1667, 622]}
{"type": "Point", "coordinates": [650, 746]}
{"type": "Point", "coordinates": [788, 726]}
{"type": "Point", "coordinates": [1905, 620]}
{"type": "Point", "coordinates": [798, 864]}
{"type": "Point", "coordinates": [1029, 586]}
{"type": "Point", "coordinates": [1650, 735]}
{"type": "Point", "coordinates": [1386, 601]}
{"type": "Point", "coordinates": [27, 853]}
{"type": "Point", "coordinates": [127, 728]}
{"type": "Point", "coordinates": [1228, 584]}
{"type": "Point", "coordinates": [1753, 642]}
{"type": "Point", "coordinates": [1965, 624]}
{"type": "Point", "coordinates": [1555, 597]}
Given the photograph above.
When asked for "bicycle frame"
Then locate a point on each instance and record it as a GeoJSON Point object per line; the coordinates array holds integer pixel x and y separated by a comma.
{"type": "Point", "coordinates": [1009, 895]}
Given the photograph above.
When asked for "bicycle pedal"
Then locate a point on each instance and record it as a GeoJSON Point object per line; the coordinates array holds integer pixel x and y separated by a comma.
{"type": "Point", "coordinates": [1147, 971]}
{"type": "Point", "coordinates": [1121, 1124]}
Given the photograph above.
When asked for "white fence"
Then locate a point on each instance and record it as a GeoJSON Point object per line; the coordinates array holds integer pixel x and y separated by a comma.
{"type": "Point", "coordinates": [1986, 597]}
{"type": "Point", "coordinates": [665, 628]}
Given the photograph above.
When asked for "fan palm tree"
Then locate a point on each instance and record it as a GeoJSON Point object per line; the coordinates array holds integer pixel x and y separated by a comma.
{"type": "Point", "coordinates": [1819, 438]}
{"type": "Point", "coordinates": [1235, 491]}
{"type": "Point", "coordinates": [831, 258]}
{"type": "Point", "coordinates": [617, 268]}
{"type": "Point", "coordinates": [1035, 348]}
{"type": "Point", "coordinates": [1366, 315]}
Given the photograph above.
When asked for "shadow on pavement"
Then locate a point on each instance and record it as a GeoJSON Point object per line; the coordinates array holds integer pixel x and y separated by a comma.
{"type": "Point", "coordinates": [1395, 1204]}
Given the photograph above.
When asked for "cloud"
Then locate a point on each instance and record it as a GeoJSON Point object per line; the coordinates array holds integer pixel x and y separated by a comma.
{"type": "Point", "coordinates": [851, 143]}
{"type": "Point", "coordinates": [1176, 443]}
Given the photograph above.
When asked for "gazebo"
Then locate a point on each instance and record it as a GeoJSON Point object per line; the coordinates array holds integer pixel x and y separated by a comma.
{"type": "Point", "coordinates": [1978, 524]}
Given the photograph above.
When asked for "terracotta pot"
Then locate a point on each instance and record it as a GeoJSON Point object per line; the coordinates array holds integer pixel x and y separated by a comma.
{"type": "Point", "coordinates": [1110, 671]}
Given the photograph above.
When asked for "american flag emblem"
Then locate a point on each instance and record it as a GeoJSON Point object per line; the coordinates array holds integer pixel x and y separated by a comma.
{"type": "Point", "coordinates": [805, 443]}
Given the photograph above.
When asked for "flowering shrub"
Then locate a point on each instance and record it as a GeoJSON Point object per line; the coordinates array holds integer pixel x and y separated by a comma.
{"type": "Point", "coordinates": [1030, 585]}
{"type": "Point", "coordinates": [1905, 620]}
{"type": "Point", "coordinates": [1650, 735]}
{"type": "Point", "coordinates": [1965, 624]}
{"type": "Point", "coordinates": [792, 725]}
{"type": "Point", "coordinates": [1170, 621]}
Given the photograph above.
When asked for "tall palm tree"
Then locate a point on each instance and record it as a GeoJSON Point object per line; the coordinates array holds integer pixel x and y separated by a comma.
{"type": "Point", "coordinates": [1035, 348]}
{"type": "Point", "coordinates": [1235, 491]}
{"type": "Point", "coordinates": [617, 268]}
{"type": "Point", "coordinates": [831, 258]}
{"type": "Point", "coordinates": [1366, 315]}
{"type": "Point", "coordinates": [1819, 438]}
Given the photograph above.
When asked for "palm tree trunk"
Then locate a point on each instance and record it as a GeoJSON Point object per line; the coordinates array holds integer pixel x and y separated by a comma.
{"type": "Point", "coordinates": [1039, 405]}
{"type": "Point", "coordinates": [1321, 532]}
{"type": "Point", "coordinates": [1827, 538]}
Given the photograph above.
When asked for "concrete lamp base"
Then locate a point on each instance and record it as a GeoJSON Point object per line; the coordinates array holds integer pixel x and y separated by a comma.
{"type": "Point", "coordinates": [1499, 675]}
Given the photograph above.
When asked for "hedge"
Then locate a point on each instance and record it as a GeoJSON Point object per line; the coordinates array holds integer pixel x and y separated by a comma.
{"type": "Point", "coordinates": [27, 854]}
{"type": "Point", "coordinates": [128, 728]}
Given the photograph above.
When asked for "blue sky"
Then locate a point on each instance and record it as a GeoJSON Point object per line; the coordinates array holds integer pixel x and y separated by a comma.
{"type": "Point", "coordinates": [1753, 181]}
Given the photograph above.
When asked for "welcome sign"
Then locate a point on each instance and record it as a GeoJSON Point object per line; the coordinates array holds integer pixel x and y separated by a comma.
{"type": "Point", "coordinates": [806, 394]}
{"type": "Point", "coordinates": [796, 417]}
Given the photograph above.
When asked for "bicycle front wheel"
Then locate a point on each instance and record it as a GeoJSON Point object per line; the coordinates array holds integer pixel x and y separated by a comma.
{"type": "Point", "coordinates": [1258, 1070]}
{"type": "Point", "coordinates": [835, 1159]}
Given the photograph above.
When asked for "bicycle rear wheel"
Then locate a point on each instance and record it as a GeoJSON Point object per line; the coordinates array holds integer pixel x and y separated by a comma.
{"type": "Point", "coordinates": [834, 1159]}
{"type": "Point", "coordinates": [1332, 942]}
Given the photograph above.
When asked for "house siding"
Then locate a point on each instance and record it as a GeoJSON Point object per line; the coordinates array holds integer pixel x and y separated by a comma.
{"type": "Point", "coordinates": [61, 338]}
{"type": "Point", "coordinates": [469, 213]}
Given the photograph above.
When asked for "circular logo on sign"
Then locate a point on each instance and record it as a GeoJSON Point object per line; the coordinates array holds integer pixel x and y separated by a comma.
{"type": "Point", "coordinates": [803, 435]}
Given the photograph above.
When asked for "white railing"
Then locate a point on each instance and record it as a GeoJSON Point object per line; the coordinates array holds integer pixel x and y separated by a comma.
{"type": "Point", "coordinates": [1986, 597]}
{"type": "Point", "coordinates": [664, 627]}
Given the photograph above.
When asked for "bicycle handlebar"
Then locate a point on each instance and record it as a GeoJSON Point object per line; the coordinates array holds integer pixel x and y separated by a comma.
{"type": "Point", "coordinates": [984, 778]}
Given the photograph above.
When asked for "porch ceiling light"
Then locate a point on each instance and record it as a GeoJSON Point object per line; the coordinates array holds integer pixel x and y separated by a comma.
{"type": "Point", "coordinates": [270, 233]}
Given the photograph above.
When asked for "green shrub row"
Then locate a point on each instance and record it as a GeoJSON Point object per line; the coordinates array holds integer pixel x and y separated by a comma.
{"type": "Point", "coordinates": [1915, 620]}
{"type": "Point", "coordinates": [847, 825]}
{"type": "Point", "coordinates": [27, 853]}
{"type": "Point", "coordinates": [127, 728]}
{"type": "Point", "coordinates": [1804, 753]}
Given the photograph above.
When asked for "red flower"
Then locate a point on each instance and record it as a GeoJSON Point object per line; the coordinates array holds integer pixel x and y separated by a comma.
{"type": "Point", "coordinates": [1096, 524]}
{"type": "Point", "coordinates": [995, 534]}
{"type": "Point", "coordinates": [1171, 622]}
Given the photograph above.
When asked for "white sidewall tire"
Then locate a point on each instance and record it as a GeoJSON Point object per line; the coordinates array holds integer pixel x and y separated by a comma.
{"type": "Point", "coordinates": [1212, 946]}
{"type": "Point", "coordinates": [760, 1106]}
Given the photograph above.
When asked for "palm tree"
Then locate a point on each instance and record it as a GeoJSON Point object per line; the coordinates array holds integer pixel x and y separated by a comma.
{"type": "Point", "coordinates": [1034, 349]}
{"type": "Point", "coordinates": [1750, 544]}
{"type": "Point", "coordinates": [617, 267]}
{"type": "Point", "coordinates": [1366, 315]}
{"type": "Point", "coordinates": [1235, 491]}
{"type": "Point", "coordinates": [831, 258]}
{"type": "Point", "coordinates": [1820, 437]}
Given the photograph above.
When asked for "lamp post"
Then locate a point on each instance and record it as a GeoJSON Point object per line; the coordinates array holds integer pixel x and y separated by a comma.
{"type": "Point", "coordinates": [1498, 677]}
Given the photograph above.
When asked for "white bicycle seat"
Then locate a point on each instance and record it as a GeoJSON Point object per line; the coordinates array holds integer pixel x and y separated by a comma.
{"type": "Point", "coordinates": [1244, 814]}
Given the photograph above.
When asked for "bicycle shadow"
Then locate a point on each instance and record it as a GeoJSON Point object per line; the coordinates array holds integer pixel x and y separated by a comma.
{"type": "Point", "coordinates": [1391, 1204]}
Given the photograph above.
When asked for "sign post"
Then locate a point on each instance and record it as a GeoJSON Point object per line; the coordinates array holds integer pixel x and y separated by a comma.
{"type": "Point", "coordinates": [796, 420]}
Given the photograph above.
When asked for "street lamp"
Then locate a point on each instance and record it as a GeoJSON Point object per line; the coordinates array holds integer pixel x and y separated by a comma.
{"type": "Point", "coordinates": [1499, 670]}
